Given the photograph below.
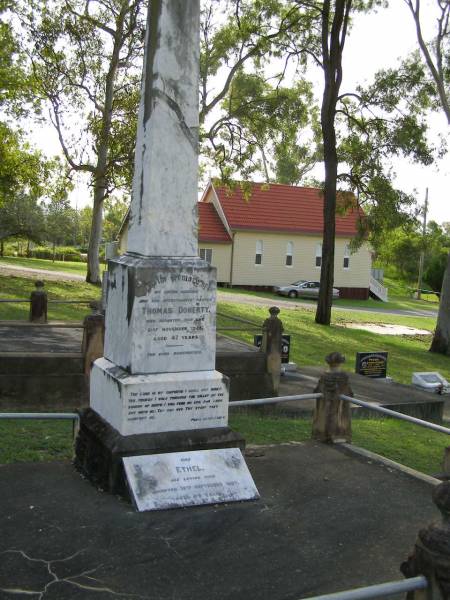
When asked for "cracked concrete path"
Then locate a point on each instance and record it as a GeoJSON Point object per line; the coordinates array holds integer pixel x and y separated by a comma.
{"type": "Point", "coordinates": [327, 520]}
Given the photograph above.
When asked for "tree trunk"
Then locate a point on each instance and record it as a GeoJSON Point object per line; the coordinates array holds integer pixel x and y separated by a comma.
{"type": "Point", "coordinates": [332, 46]}
{"type": "Point", "coordinates": [93, 266]}
{"type": "Point", "coordinates": [441, 338]}
{"type": "Point", "coordinates": [323, 312]}
{"type": "Point", "coordinates": [54, 251]}
{"type": "Point", "coordinates": [2, 247]}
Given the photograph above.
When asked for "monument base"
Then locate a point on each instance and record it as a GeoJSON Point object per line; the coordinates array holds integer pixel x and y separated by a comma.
{"type": "Point", "coordinates": [99, 448]}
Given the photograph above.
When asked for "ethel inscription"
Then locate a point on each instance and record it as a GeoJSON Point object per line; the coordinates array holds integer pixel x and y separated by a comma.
{"type": "Point", "coordinates": [189, 478]}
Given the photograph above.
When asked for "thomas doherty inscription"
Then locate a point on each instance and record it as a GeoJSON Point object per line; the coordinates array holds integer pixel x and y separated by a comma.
{"type": "Point", "coordinates": [162, 319]}
{"type": "Point", "coordinates": [161, 481]}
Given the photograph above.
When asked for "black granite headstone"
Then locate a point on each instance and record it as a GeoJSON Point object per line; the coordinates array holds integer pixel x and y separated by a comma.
{"type": "Point", "coordinates": [285, 345]}
{"type": "Point", "coordinates": [371, 364]}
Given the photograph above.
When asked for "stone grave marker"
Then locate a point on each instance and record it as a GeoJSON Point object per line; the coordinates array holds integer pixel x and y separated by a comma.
{"type": "Point", "coordinates": [371, 364]}
{"type": "Point", "coordinates": [156, 389]}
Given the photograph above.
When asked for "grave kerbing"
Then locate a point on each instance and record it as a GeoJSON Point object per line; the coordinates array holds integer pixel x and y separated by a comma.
{"type": "Point", "coordinates": [156, 389]}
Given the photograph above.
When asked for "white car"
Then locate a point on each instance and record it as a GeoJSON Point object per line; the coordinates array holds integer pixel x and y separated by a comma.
{"type": "Point", "coordinates": [302, 289]}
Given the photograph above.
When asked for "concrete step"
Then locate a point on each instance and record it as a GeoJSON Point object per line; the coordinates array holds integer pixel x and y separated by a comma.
{"type": "Point", "coordinates": [36, 393]}
{"type": "Point", "coordinates": [41, 363]}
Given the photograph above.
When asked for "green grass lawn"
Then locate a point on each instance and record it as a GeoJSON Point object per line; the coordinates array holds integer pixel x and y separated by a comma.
{"type": "Point", "coordinates": [21, 287]}
{"type": "Point", "coordinates": [311, 342]}
{"type": "Point", "coordinates": [408, 444]}
{"type": "Point", "coordinates": [78, 268]}
{"type": "Point", "coordinates": [418, 448]}
{"type": "Point", "coordinates": [398, 300]}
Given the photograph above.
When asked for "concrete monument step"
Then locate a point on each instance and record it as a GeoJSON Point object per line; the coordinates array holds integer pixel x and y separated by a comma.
{"type": "Point", "coordinates": [43, 393]}
{"type": "Point", "coordinates": [41, 363]}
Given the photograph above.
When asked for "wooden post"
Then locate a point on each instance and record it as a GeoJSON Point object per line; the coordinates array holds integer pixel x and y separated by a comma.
{"type": "Point", "coordinates": [431, 553]}
{"type": "Point", "coordinates": [332, 416]}
{"type": "Point", "coordinates": [38, 304]}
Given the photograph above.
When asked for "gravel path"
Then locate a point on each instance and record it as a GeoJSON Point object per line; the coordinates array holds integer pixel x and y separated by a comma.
{"type": "Point", "coordinates": [34, 273]}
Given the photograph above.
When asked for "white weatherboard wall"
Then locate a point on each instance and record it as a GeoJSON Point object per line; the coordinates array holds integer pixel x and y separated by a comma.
{"type": "Point", "coordinates": [274, 271]}
{"type": "Point", "coordinates": [221, 259]}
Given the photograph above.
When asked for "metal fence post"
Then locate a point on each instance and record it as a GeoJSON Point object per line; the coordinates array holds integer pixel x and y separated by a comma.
{"type": "Point", "coordinates": [431, 554]}
{"type": "Point", "coordinates": [332, 415]}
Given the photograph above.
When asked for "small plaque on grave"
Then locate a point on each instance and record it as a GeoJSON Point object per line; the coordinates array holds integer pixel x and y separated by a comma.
{"type": "Point", "coordinates": [371, 364]}
{"type": "Point", "coordinates": [162, 481]}
{"type": "Point", "coordinates": [285, 346]}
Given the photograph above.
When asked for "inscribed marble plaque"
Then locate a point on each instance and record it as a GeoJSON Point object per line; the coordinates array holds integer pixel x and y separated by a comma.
{"type": "Point", "coordinates": [158, 402]}
{"type": "Point", "coordinates": [161, 315]}
{"type": "Point", "coordinates": [161, 481]}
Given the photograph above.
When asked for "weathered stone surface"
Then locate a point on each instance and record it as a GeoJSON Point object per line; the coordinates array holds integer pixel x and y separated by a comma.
{"type": "Point", "coordinates": [161, 315]}
{"type": "Point", "coordinates": [163, 219]}
{"type": "Point", "coordinates": [92, 345]}
{"type": "Point", "coordinates": [431, 554]}
{"type": "Point", "coordinates": [100, 448]}
{"type": "Point", "coordinates": [332, 421]}
{"type": "Point", "coordinates": [160, 401]}
{"type": "Point", "coordinates": [271, 345]}
{"type": "Point", "coordinates": [180, 479]}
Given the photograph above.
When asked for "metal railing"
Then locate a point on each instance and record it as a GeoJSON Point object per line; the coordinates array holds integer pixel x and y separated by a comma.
{"type": "Point", "coordinates": [74, 417]}
{"type": "Point", "coordinates": [377, 591]}
{"type": "Point", "coordinates": [276, 400]}
{"type": "Point", "coordinates": [254, 326]}
{"type": "Point", "coordinates": [41, 416]}
{"type": "Point", "coordinates": [396, 414]}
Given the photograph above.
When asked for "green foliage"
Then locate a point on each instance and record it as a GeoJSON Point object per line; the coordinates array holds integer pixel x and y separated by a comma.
{"type": "Point", "coordinates": [115, 210]}
{"type": "Point", "coordinates": [60, 221]}
{"type": "Point", "coordinates": [401, 248]}
{"type": "Point", "coordinates": [63, 253]}
{"type": "Point", "coordinates": [261, 129]}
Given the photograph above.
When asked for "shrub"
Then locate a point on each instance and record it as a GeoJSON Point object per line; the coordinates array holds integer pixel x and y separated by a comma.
{"type": "Point", "coordinates": [68, 253]}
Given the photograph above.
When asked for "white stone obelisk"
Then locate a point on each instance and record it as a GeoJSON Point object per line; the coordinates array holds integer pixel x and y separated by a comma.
{"type": "Point", "coordinates": [163, 219]}
{"type": "Point", "coordinates": [158, 373]}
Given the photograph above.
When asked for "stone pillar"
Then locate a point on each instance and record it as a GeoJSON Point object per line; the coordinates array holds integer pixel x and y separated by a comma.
{"type": "Point", "coordinates": [332, 416]}
{"type": "Point", "coordinates": [156, 389]}
{"type": "Point", "coordinates": [272, 331]}
{"type": "Point", "coordinates": [38, 304]}
{"type": "Point", "coordinates": [93, 336]}
{"type": "Point", "coordinates": [163, 216]}
{"type": "Point", "coordinates": [431, 553]}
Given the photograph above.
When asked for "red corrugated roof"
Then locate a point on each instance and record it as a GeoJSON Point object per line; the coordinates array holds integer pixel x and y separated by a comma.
{"type": "Point", "coordinates": [211, 228]}
{"type": "Point", "coordinates": [276, 207]}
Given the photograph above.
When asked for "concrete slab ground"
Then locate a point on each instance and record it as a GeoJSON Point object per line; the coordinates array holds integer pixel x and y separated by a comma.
{"type": "Point", "coordinates": [327, 520]}
{"type": "Point", "coordinates": [25, 338]}
{"type": "Point", "coordinates": [395, 395]}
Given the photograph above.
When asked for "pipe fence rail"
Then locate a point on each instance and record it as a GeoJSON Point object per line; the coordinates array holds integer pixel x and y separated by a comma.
{"type": "Point", "coordinates": [276, 400]}
{"type": "Point", "coordinates": [377, 591]}
{"type": "Point", "coordinates": [396, 414]}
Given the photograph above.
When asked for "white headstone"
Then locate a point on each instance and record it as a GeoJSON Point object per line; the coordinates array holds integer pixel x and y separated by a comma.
{"type": "Point", "coordinates": [162, 481]}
